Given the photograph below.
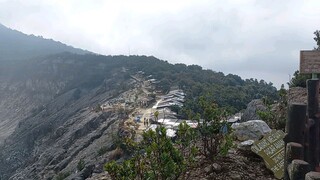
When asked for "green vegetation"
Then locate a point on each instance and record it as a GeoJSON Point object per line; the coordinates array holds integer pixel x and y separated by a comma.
{"type": "Point", "coordinates": [81, 164]}
{"type": "Point", "coordinates": [175, 108]}
{"type": "Point", "coordinates": [299, 80]}
{"type": "Point", "coordinates": [276, 114]}
{"type": "Point", "coordinates": [213, 141]}
{"type": "Point", "coordinates": [102, 151]}
{"type": "Point", "coordinates": [228, 91]}
{"type": "Point", "coordinates": [156, 114]}
{"type": "Point", "coordinates": [317, 39]}
{"type": "Point", "coordinates": [186, 142]}
{"type": "Point", "coordinates": [62, 175]}
{"type": "Point", "coordinates": [159, 157]}
{"type": "Point", "coordinates": [154, 158]}
{"type": "Point", "coordinates": [97, 108]}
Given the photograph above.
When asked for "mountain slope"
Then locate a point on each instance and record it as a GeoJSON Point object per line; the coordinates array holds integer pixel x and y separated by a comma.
{"type": "Point", "coordinates": [56, 94]}
{"type": "Point", "coordinates": [15, 45]}
{"type": "Point", "coordinates": [50, 93]}
{"type": "Point", "coordinates": [46, 114]}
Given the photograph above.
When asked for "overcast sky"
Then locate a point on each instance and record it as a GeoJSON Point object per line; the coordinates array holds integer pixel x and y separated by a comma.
{"type": "Point", "coordinates": [251, 38]}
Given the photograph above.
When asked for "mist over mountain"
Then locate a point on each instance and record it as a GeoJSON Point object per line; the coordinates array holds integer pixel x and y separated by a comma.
{"type": "Point", "coordinates": [48, 102]}
{"type": "Point", "coordinates": [15, 45]}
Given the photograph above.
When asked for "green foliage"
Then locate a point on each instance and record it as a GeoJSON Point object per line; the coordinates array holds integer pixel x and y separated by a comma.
{"type": "Point", "coordinates": [155, 157]}
{"type": "Point", "coordinates": [156, 114]}
{"type": "Point", "coordinates": [97, 108]}
{"type": "Point", "coordinates": [228, 91]}
{"type": "Point", "coordinates": [317, 39]}
{"type": "Point", "coordinates": [232, 96]}
{"type": "Point", "coordinates": [283, 95]}
{"type": "Point", "coordinates": [126, 170]}
{"type": "Point", "coordinates": [214, 142]}
{"type": "Point", "coordinates": [175, 108]}
{"type": "Point", "coordinates": [282, 110]}
{"type": "Point", "coordinates": [125, 144]}
{"type": "Point", "coordinates": [299, 80]}
{"type": "Point", "coordinates": [128, 145]}
{"type": "Point", "coordinates": [81, 164]}
{"type": "Point", "coordinates": [276, 117]}
{"type": "Point", "coordinates": [164, 85]}
{"type": "Point", "coordinates": [268, 117]}
{"type": "Point", "coordinates": [186, 141]}
{"type": "Point", "coordinates": [101, 151]}
{"type": "Point", "coordinates": [158, 157]}
{"type": "Point", "coordinates": [226, 144]}
{"type": "Point", "coordinates": [166, 161]}
{"type": "Point", "coordinates": [62, 175]}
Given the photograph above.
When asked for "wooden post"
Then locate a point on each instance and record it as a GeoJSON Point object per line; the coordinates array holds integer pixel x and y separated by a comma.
{"type": "Point", "coordinates": [295, 127]}
{"type": "Point", "coordinates": [313, 123]}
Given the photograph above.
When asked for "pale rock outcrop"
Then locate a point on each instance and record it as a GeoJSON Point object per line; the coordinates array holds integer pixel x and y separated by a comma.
{"type": "Point", "coordinates": [250, 130]}
{"type": "Point", "coordinates": [253, 108]}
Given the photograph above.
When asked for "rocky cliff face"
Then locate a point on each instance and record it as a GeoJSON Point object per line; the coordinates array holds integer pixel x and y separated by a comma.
{"type": "Point", "coordinates": [251, 112]}
{"type": "Point", "coordinates": [47, 121]}
{"type": "Point", "coordinates": [21, 95]}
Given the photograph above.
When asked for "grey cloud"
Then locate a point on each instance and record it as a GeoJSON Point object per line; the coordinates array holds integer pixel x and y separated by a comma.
{"type": "Point", "coordinates": [260, 39]}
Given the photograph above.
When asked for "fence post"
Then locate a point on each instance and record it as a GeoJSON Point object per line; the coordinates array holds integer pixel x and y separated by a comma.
{"type": "Point", "coordinates": [313, 123]}
{"type": "Point", "coordinates": [296, 123]}
{"type": "Point", "coordinates": [295, 127]}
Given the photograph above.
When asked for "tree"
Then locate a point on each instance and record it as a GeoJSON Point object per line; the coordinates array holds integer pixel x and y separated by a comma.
{"type": "Point", "coordinates": [175, 108]}
{"type": "Point", "coordinates": [156, 157]}
{"type": "Point", "coordinates": [159, 157]}
{"type": "Point", "coordinates": [299, 80]}
{"type": "Point", "coordinates": [283, 94]}
{"type": "Point", "coordinates": [317, 39]}
{"type": "Point", "coordinates": [214, 141]}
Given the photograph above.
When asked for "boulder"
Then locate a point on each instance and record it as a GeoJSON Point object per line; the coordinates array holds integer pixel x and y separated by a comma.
{"type": "Point", "coordinates": [235, 175]}
{"type": "Point", "coordinates": [246, 145]}
{"type": "Point", "coordinates": [250, 130]}
{"type": "Point", "coordinates": [208, 169]}
{"type": "Point", "coordinates": [216, 167]}
{"type": "Point", "coordinates": [251, 112]}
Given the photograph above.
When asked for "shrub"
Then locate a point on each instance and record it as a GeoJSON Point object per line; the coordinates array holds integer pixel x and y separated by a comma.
{"type": "Point", "coordinates": [97, 108]}
{"type": "Point", "coordinates": [81, 165]}
{"type": "Point", "coordinates": [214, 141]}
{"type": "Point", "coordinates": [102, 151]}
{"type": "Point", "coordinates": [62, 175]}
{"type": "Point", "coordinates": [158, 157]}
{"type": "Point", "coordinates": [155, 157]}
{"type": "Point", "coordinates": [116, 154]}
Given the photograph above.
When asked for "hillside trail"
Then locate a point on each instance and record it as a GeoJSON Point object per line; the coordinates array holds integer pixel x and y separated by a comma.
{"type": "Point", "coordinates": [237, 165]}
{"type": "Point", "coordinates": [142, 112]}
